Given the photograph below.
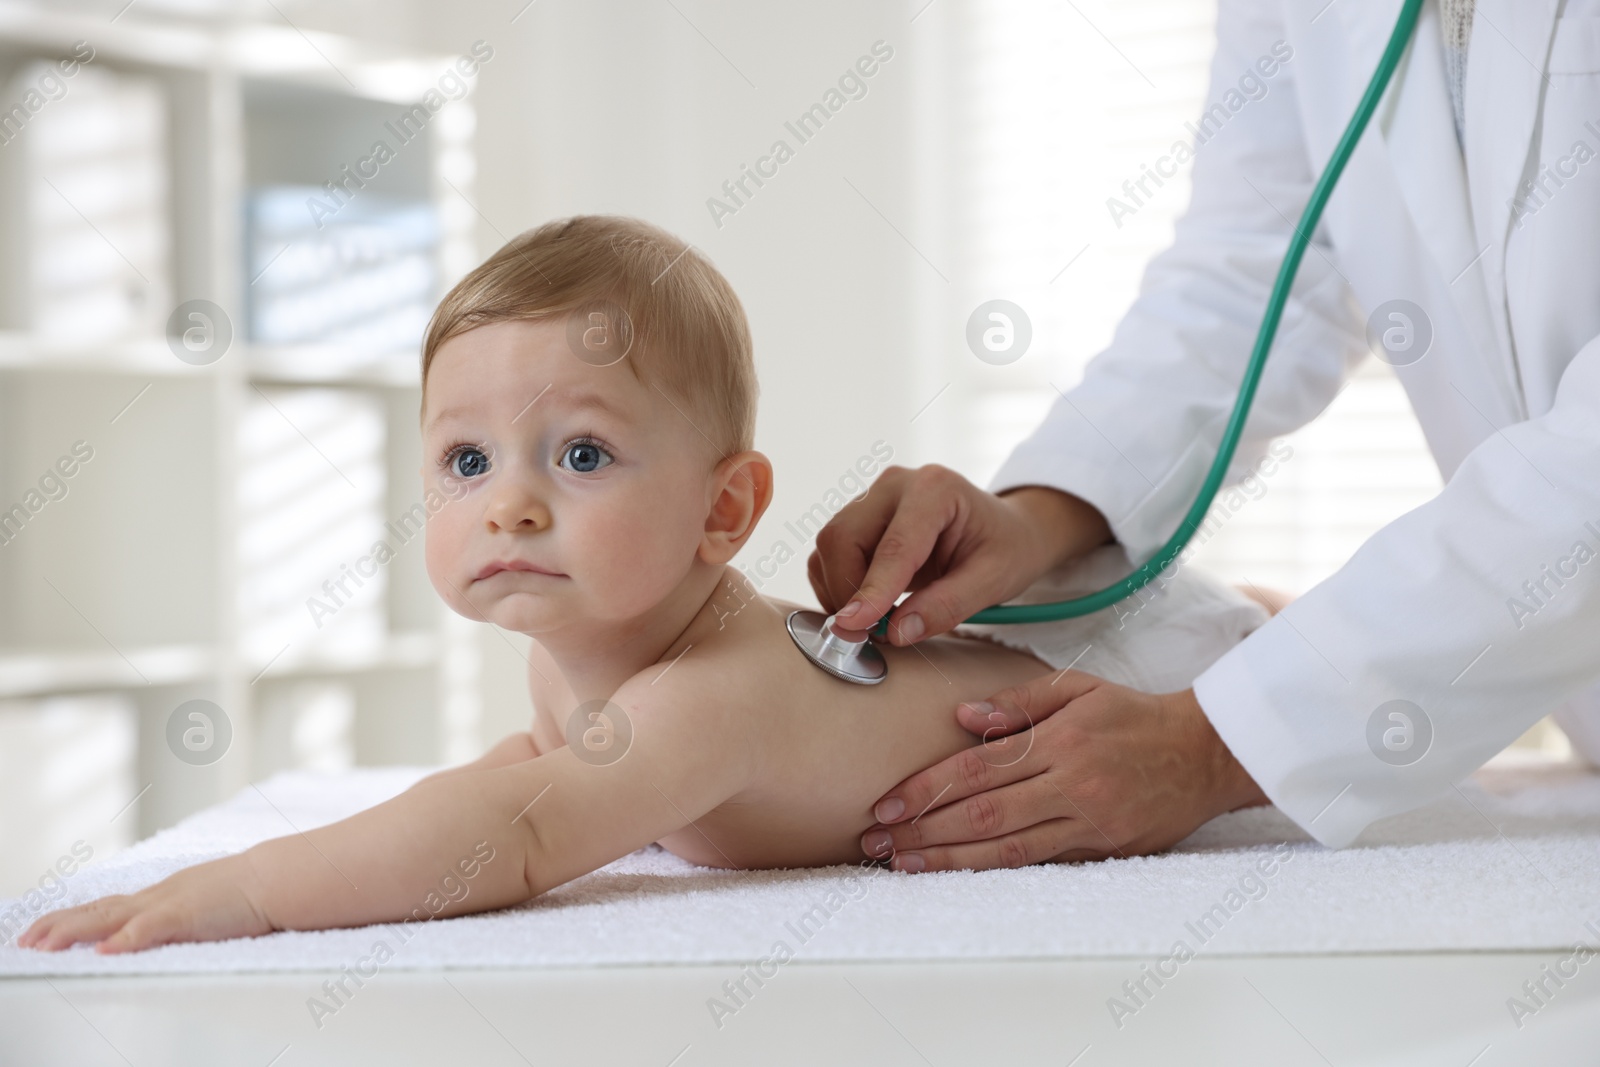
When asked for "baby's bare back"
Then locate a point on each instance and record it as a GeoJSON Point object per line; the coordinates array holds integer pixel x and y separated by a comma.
{"type": "Point", "coordinates": [826, 750]}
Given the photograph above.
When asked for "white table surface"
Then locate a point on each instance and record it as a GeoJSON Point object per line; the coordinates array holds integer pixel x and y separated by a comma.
{"type": "Point", "coordinates": [1447, 1010]}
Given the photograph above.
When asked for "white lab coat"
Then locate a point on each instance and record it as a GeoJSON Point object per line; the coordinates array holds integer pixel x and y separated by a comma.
{"type": "Point", "coordinates": [1508, 397]}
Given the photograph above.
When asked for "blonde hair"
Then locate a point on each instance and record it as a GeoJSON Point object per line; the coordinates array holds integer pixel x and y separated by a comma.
{"type": "Point", "coordinates": [689, 335]}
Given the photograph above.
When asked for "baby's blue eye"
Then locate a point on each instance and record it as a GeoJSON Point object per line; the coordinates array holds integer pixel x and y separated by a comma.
{"type": "Point", "coordinates": [584, 457]}
{"type": "Point", "coordinates": [468, 463]}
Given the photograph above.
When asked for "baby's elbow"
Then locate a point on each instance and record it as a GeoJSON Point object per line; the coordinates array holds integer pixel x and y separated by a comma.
{"type": "Point", "coordinates": [535, 862]}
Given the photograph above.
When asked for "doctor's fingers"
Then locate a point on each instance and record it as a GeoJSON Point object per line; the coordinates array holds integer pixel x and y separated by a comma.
{"type": "Point", "coordinates": [951, 580]}
{"type": "Point", "coordinates": [844, 546]}
{"type": "Point", "coordinates": [968, 773]}
{"type": "Point", "coordinates": [895, 532]}
{"type": "Point", "coordinates": [1035, 844]}
{"type": "Point", "coordinates": [1023, 707]}
{"type": "Point", "coordinates": [828, 592]}
{"type": "Point", "coordinates": [982, 816]}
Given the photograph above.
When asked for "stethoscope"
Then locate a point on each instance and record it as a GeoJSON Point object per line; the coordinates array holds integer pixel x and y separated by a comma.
{"type": "Point", "coordinates": [862, 663]}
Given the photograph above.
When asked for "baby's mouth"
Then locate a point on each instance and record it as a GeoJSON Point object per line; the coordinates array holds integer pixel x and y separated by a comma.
{"type": "Point", "coordinates": [506, 566]}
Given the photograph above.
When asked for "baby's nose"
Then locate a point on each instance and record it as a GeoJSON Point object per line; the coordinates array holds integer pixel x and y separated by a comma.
{"type": "Point", "coordinates": [517, 508]}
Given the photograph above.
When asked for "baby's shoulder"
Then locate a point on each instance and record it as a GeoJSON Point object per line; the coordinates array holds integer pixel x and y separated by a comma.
{"type": "Point", "coordinates": [684, 709]}
{"type": "Point", "coordinates": [719, 670]}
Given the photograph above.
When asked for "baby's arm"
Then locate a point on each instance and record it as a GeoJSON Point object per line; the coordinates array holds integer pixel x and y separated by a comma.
{"type": "Point", "coordinates": [539, 822]}
{"type": "Point", "coordinates": [523, 745]}
{"type": "Point", "coordinates": [516, 748]}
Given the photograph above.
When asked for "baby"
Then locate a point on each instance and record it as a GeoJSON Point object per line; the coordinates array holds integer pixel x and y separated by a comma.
{"type": "Point", "coordinates": [589, 408]}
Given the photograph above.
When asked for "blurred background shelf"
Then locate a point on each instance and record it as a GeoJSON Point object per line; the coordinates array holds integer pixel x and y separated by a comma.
{"type": "Point", "coordinates": [396, 652]}
{"type": "Point", "coordinates": [308, 364]}
{"type": "Point", "coordinates": [24, 674]}
{"type": "Point", "coordinates": [50, 672]}
{"type": "Point", "coordinates": [168, 160]}
{"type": "Point", "coordinates": [280, 53]}
{"type": "Point", "coordinates": [22, 351]}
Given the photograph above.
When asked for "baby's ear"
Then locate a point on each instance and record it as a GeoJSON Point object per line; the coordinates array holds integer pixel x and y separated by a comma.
{"type": "Point", "coordinates": [741, 489]}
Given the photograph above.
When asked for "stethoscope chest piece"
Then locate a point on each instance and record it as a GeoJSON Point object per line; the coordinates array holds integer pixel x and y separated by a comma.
{"type": "Point", "coordinates": [853, 661]}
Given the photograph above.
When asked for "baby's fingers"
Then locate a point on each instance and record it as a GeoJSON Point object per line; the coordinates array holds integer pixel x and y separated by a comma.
{"type": "Point", "coordinates": [86, 922]}
{"type": "Point", "coordinates": [146, 929]}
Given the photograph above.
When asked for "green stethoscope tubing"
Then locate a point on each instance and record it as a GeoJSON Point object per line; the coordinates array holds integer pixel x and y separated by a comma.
{"type": "Point", "coordinates": [1084, 605]}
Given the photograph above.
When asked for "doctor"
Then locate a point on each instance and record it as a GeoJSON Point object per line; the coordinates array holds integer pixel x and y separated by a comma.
{"type": "Point", "coordinates": [1470, 212]}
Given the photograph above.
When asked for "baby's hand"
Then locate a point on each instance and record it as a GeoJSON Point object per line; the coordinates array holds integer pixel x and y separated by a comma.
{"type": "Point", "coordinates": [211, 902]}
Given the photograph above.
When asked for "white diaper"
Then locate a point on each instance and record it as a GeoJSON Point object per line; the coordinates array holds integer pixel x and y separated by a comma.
{"type": "Point", "coordinates": [1159, 640]}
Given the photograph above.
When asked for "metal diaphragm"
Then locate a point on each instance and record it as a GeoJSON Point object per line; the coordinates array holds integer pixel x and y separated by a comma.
{"type": "Point", "coordinates": [853, 661]}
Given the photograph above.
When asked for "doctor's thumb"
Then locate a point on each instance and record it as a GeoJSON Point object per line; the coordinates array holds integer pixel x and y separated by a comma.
{"type": "Point", "coordinates": [934, 610]}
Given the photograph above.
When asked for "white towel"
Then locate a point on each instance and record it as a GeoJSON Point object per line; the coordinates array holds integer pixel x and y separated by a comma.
{"type": "Point", "coordinates": [1439, 878]}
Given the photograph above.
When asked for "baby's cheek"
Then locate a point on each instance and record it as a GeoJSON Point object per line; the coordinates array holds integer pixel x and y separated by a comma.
{"type": "Point", "coordinates": [442, 557]}
{"type": "Point", "coordinates": [636, 555]}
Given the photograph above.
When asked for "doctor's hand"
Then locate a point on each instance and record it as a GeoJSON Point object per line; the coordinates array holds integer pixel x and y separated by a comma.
{"type": "Point", "coordinates": [957, 548]}
{"type": "Point", "coordinates": [1072, 768]}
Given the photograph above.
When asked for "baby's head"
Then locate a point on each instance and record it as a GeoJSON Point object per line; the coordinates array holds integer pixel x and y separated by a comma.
{"type": "Point", "coordinates": [588, 410]}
